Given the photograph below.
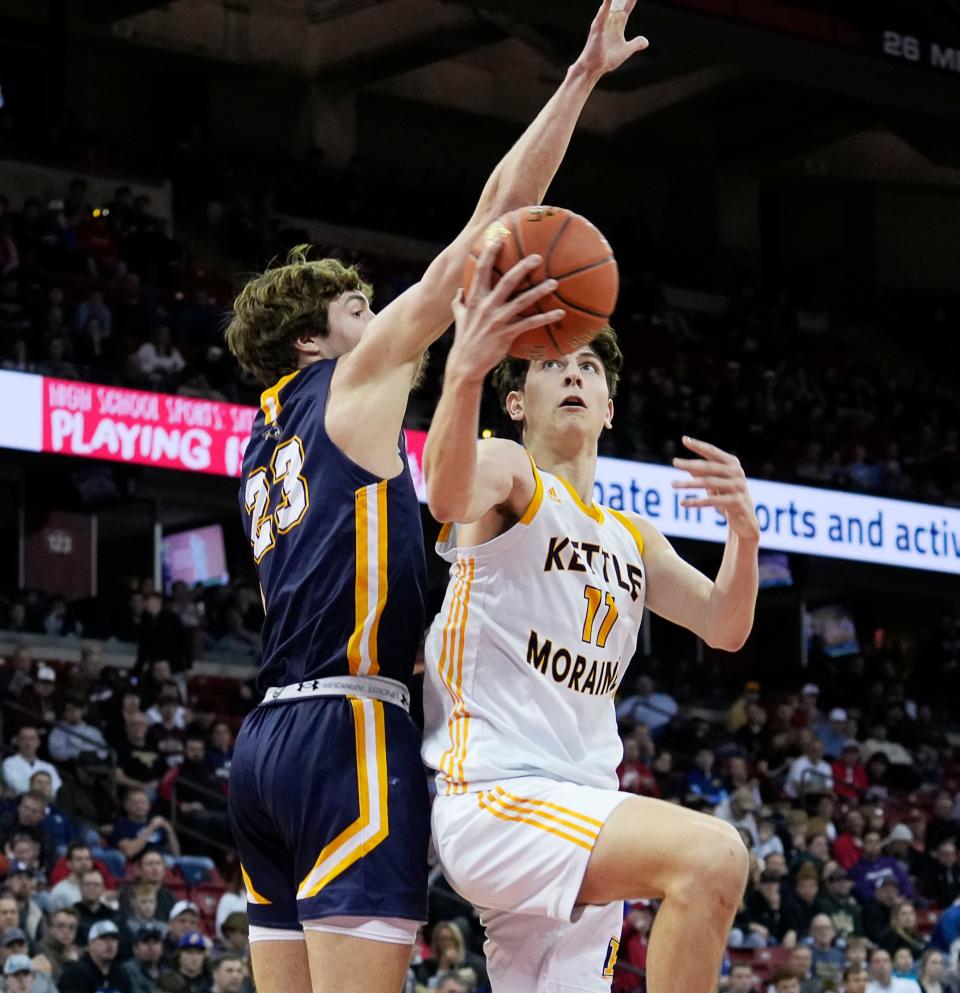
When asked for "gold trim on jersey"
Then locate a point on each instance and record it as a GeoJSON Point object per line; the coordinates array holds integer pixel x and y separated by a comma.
{"type": "Point", "coordinates": [630, 526]}
{"type": "Point", "coordinates": [574, 827]}
{"type": "Point", "coordinates": [592, 511]}
{"type": "Point", "coordinates": [537, 498]}
{"type": "Point", "coordinates": [252, 895]}
{"type": "Point", "coordinates": [372, 823]}
{"type": "Point", "coordinates": [450, 669]}
{"type": "Point", "coordinates": [370, 581]}
{"type": "Point", "coordinates": [270, 399]}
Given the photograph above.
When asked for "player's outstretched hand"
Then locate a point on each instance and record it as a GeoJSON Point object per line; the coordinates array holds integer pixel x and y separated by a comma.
{"type": "Point", "coordinates": [488, 320]}
{"type": "Point", "coordinates": [607, 47]}
{"type": "Point", "coordinates": [720, 474]}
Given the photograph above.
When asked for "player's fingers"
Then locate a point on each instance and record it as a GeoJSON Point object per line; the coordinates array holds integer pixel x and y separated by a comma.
{"type": "Point", "coordinates": [525, 300]}
{"type": "Point", "coordinates": [515, 276]}
{"type": "Point", "coordinates": [715, 501]}
{"type": "Point", "coordinates": [484, 270]}
{"type": "Point", "coordinates": [457, 305]}
{"type": "Point", "coordinates": [703, 483]}
{"type": "Point", "coordinates": [535, 321]}
{"type": "Point", "coordinates": [638, 44]}
{"type": "Point", "coordinates": [706, 449]}
{"type": "Point", "coordinates": [703, 467]}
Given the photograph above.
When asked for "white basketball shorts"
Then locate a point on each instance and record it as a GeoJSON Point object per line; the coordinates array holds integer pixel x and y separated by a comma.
{"type": "Point", "coordinates": [518, 852]}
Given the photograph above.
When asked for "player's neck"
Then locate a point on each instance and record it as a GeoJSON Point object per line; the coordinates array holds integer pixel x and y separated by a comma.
{"type": "Point", "coordinates": [577, 466]}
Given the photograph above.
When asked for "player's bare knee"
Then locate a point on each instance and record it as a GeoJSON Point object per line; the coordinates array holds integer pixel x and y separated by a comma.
{"type": "Point", "coordinates": [715, 872]}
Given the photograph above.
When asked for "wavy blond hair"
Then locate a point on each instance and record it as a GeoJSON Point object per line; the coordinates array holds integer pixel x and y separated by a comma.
{"type": "Point", "coordinates": [283, 303]}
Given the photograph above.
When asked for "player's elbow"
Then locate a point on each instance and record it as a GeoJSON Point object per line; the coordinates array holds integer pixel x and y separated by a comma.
{"type": "Point", "coordinates": [443, 505]}
{"type": "Point", "coordinates": [731, 640]}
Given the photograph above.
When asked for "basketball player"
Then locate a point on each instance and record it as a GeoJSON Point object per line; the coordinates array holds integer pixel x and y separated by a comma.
{"type": "Point", "coordinates": [539, 623]}
{"type": "Point", "coordinates": [327, 796]}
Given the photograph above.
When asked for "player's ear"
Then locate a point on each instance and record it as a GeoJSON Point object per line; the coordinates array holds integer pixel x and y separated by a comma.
{"type": "Point", "coordinates": [307, 344]}
{"type": "Point", "coordinates": [514, 405]}
{"type": "Point", "coordinates": [608, 420]}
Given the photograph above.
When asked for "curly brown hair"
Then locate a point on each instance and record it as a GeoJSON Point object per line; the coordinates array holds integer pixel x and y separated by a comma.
{"type": "Point", "coordinates": [511, 374]}
{"type": "Point", "coordinates": [275, 308]}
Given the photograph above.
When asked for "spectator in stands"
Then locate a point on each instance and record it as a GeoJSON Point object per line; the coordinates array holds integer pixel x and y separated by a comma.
{"type": "Point", "coordinates": [848, 847]}
{"type": "Point", "coordinates": [849, 775]}
{"type": "Point", "coordinates": [140, 764]}
{"type": "Point", "coordinates": [229, 972]}
{"type": "Point", "coordinates": [785, 981]}
{"type": "Point", "coordinates": [161, 637]}
{"type": "Point", "coordinates": [233, 900]}
{"type": "Point", "coordinates": [17, 674]}
{"type": "Point", "coordinates": [150, 868]}
{"type": "Point", "coordinates": [55, 821]}
{"type": "Point", "coordinates": [159, 361]}
{"type": "Point", "coordinates": [220, 752]}
{"type": "Point", "coordinates": [739, 810]}
{"type": "Point", "coordinates": [647, 706]}
{"type": "Point", "coordinates": [19, 767]}
{"type": "Point", "coordinates": [21, 884]}
{"type": "Point", "coordinates": [828, 959]}
{"type": "Point", "coordinates": [741, 979]}
{"type": "Point", "coordinates": [190, 961]}
{"type": "Point", "coordinates": [59, 944]}
{"type": "Point", "coordinates": [800, 906]}
{"type": "Point", "coordinates": [28, 819]}
{"type": "Point", "coordinates": [833, 733]}
{"type": "Point", "coordinates": [940, 880]}
{"type": "Point", "coordinates": [903, 964]}
{"type": "Point", "coordinates": [13, 946]}
{"type": "Point", "coordinates": [93, 308]}
{"type": "Point", "coordinates": [66, 893]}
{"type": "Point", "coordinates": [882, 979]}
{"type": "Point", "coordinates": [877, 911]}
{"type": "Point", "coordinates": [72, 737]}
{"type": "Point", "coordinates": [236, 933]}
{"type": "Point", "coordinates": [873, 867]}
{"type": "Point", "coordinates": [138, 830]}
{"type": "Point", "coordinates": [942, 824]}
{"type": "Point", "coordinates": [90, 907]}
{"type": "Point", "coordinates": [765, 912]}
{"type": "Point", "coordinates": [448, 953]}
{"type": "Point", "coordinates": [40, 697]}
{"type": "Point", "coordinates": [453, 982]}
{"type": "Point", "coordinates": [838, 903]}
{"type": "Point", "coordinates": [634, 942]}
{"type": "Point", "coordinates": [197, 792]}
{"type": "Point", "coordinates": [932, 974]}
{"type": "Point", "coordinates": [633, 774]}
{"type": "Point", "coordinates": [143, 970]}
{"type": "Point", "coordinates": [752, 737]}
{"type": "Point", "coordinates": [184, 919]}
{"type": "Point", "coordinates": [18, 974]}
{"type": "Point", "coordinates": [143, 903]}
{"type": "Point", "coordinates": [9, 913]}
{"type": "Point", "coordinates": [810, 773]}
{"type": "Point", "coordinates": [855, 979]}
{"type": "Point", "coordinates": [703, 782]}
{"type": "Point", "coordinates": [902, 932]}
{"type": "Point", "coordinates": [97, 968]}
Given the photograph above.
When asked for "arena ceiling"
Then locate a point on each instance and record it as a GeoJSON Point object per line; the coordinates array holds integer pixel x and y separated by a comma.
{"type": "Point", "coordinates": [709, 84]}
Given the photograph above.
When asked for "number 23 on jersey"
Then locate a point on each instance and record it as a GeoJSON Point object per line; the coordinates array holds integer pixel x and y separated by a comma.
{"type": "Point", "coordinates": [285, 471]}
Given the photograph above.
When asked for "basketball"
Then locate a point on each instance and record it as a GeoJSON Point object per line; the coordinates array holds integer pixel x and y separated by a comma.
{"type": "Point", "coordinates": [576, 255]}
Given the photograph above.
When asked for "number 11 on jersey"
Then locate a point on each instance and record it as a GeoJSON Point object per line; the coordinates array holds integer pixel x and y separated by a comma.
{"type": "Point", "coordinates": [595, 599]}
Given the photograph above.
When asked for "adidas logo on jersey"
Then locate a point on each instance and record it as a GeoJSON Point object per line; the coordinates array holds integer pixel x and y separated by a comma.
{"type": "Point", "coordinates": [553, 495]}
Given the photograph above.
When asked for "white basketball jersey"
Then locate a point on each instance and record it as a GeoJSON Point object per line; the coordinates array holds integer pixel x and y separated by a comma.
{"type": "Point", "coordinates": [537, 628]}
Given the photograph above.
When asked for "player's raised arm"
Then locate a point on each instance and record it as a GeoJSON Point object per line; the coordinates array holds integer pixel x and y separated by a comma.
{"type": "Point", "coordinates": [400, 333]}
{"type": "Point", "coordinates": [464, 480]}
{"type": "Point", "coordinates": [720, 612]}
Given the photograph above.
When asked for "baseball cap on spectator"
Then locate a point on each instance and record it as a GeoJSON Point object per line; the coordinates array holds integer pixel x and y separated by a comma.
{"type": "Point", "coordinates": [900, 832]}
{"type": "Point", "coordinates": [811, 689]}
{"type": "Point", "coordinates": [46, 675]}
{"type": "Point", "coordinates": [181, 907]}
{"type": "Point", "coordinates": [149, 931]}
{"type": "Point", "coordinates": [18, 868]}
{"type": "Point", "coordinates": [16, 964]}
{"type": "Point", "coordinates": [744, 796]}
{"type": "Point", "coordinates": [837, 714]}
{"type": "Point", "coordinates": [193, 940]}
{"type": "Point", "coordinates": [851, 745]}
{"type": "Point", "coordinates": [103, 929]}
{"type": "Point", "coordinates": [11, 935]}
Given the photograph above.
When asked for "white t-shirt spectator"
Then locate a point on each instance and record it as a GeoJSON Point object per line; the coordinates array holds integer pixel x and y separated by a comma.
{"type": "Point", "coordinates": [897, 985]}
{"type": "Point", "coordinates": [805, 774]}
{"type": "Point", "coordinates": [151, 361]}
{"type": "Point", "coordinates": [65, 894]}
{"type": "Point", "coordinates": [656, 710]}
{"type": "Point", "coordinates": [230, 903]}
{"type": "Point", "coordinates": [17, 772]}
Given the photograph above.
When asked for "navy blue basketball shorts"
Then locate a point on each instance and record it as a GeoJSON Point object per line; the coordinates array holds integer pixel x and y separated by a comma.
{"type": "Point", "coordinates": [329, 810]}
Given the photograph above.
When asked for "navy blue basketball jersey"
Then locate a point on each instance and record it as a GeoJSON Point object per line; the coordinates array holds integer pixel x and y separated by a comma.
{"type": "Point", "coordinates": [339, 551]}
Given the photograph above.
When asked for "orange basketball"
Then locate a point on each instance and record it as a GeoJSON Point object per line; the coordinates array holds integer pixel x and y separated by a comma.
{"type": "Point", "coordinates": [576, 255]}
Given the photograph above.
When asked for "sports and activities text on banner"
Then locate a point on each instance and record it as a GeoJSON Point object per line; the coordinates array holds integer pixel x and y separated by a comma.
{"type": "Point", "coordinates": [41, 414]}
